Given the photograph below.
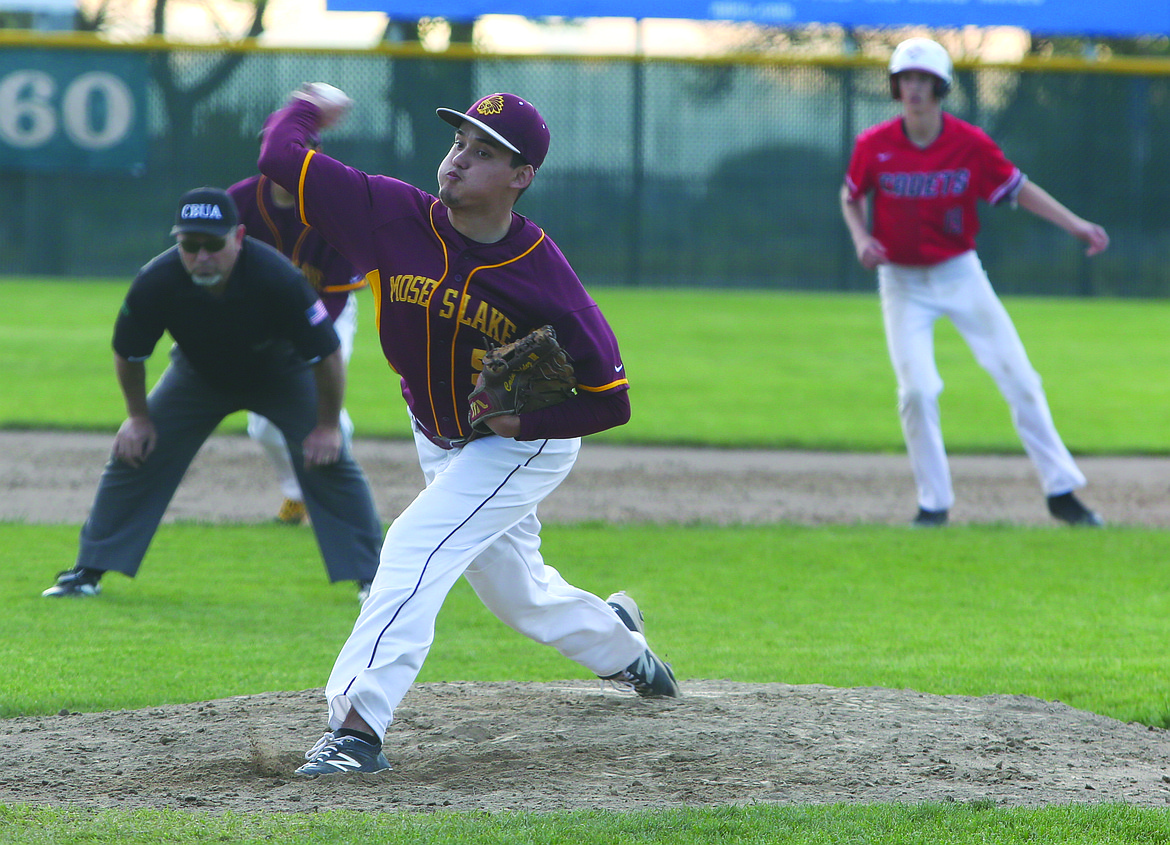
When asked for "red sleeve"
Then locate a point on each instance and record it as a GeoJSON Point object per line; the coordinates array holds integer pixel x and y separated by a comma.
{"type": "Point", "coordinates": [998, 179]}
{"type": "Point", "coordinates": [858, 176]}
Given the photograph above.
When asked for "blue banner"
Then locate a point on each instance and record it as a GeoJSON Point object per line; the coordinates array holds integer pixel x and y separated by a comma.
{"type": "Point", "coordinates": [72, 111]}
{"type": "Point", "coordinates": [1082, 17]}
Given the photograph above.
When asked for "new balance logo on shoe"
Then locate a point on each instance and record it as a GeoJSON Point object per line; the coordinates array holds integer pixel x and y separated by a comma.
{"type": "Point", "coordinates": [649, 677]}
{"type": "Point", "coordinates": [333, 755]}
{"type": "Point", "coordinates": [645, 667]}
{"type": "Point", "coordinates": [342, 761]}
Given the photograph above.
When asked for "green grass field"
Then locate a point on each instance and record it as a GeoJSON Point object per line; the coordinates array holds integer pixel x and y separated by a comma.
{"type": "Point", "coordinates": [811, 825]}
{"type": "Point", "coordinates": [731, 368]}
{"type": "Point", "coordinates": [835, 824]}
{"type": "Point", "coordinates": [1070, 615]}
{"type": "Point", "coordinates": [1074, 616]}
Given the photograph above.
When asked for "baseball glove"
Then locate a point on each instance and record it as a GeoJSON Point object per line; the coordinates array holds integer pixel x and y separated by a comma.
{"type": "Point", "coordinates": [527, 374]}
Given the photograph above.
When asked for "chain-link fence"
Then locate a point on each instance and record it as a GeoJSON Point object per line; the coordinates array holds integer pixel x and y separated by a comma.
{"type": "Point", "coordinates": [661, 172]}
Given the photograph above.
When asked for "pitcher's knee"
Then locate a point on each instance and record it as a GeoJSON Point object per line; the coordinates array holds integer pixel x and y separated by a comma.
{"type": "Point", "coordinates": [916, 401]}
{"type": "Point", "coordinates": [1022, 393]}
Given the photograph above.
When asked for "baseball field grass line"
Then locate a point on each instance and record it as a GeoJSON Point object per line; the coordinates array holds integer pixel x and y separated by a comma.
{"type": "Point", "coordinates": [1077, 617]}
{"type": "Point", "coordinates": [884, 824]}
{"type": "Point", "coordinates": [790, 370]}
{"type": "Point", "coordinates": [747, 368]}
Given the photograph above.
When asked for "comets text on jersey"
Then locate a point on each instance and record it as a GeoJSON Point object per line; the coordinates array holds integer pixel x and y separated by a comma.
{"type": "Point", "coordinates": [452, 305]}
{"type": "Point", "coordinates": [923, 185]}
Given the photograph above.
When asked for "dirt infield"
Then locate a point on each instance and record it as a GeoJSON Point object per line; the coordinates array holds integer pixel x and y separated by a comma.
{"type": "Point", "coordinates": [572, 744]}
{"type": "Point", "coordinates": [52, 477]}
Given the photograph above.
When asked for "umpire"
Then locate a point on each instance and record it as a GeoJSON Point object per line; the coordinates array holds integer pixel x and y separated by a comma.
{"type": "Point", "coordinates": [250, 334]}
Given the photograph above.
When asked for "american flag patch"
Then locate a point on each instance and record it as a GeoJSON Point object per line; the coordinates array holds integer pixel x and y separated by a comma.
{"type": "Point", "coordinates": [316, 313]}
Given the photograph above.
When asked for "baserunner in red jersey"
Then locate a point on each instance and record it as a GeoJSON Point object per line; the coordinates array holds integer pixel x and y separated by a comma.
{"type": "Point", "coordinates": [452, 275]}
{"type": "Point", "coordinates": [925, 171]}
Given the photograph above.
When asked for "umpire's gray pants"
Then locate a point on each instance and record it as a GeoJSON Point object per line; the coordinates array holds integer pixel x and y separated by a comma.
{"type": "Point", "coordinates": [186, 409]}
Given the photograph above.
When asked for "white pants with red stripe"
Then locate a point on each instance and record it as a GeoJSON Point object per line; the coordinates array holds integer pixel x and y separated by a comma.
{"type": "Point", "coordinates": [913, 298]}
{"type": "Point", "coordinates": [476, 517]}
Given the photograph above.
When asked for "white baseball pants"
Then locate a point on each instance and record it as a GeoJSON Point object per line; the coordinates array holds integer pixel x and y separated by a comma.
{"type": "Point", "coordinates": [269, 437]}
{"type": "Point", "coordinates": [476, 517]}
{"type": "Point", "coordinates": [913, 298]}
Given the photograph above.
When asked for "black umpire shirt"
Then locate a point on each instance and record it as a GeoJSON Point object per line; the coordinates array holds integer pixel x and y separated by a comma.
{"type": "Point", "coordinates": [267, 321]}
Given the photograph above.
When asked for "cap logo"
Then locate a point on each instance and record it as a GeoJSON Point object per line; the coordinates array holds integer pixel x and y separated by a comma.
{"type": "Point", "coordinates": [490, 105]}
{"type": "Point", "coordinates": [200, 211]}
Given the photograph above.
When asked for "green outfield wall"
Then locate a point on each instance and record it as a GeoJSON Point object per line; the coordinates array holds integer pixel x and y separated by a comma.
{"type": "Point", "coordinates": [720, 172]}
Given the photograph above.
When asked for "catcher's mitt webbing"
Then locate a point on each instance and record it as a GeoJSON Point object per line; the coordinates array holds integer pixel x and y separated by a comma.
{"type": "Point", "coordinates": [527, 374]}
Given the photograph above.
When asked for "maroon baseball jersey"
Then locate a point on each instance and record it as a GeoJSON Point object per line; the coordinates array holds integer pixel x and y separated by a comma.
{"type": "Point", "coordinates": [924, 207]}
{"type": "Point", "coordinates": [327, 270]}
{"type": "Point", "coordinates": [441, 299]}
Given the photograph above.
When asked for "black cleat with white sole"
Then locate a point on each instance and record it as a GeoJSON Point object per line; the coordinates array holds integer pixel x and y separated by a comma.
{"type": "Point", "coordinates": [649, 675]}
{"type": "Point", "coordinates": [929, 519]}
{"type": "Point", "coordinates": [1068, 508]}
{"type": "Point", "coordinates": [76, 583]}
{"type": "Point", "coordinates": [335, 755]}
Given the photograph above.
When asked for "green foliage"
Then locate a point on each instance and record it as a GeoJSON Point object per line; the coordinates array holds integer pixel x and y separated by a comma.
{"type": "Point", "coordinates": [706, 367]}
{"type": "Point", "coordinates": [1068, 615]}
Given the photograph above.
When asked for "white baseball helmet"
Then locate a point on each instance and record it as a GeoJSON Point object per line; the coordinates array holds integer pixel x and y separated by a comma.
{"type": "Point", "coordinates": [925, 55]}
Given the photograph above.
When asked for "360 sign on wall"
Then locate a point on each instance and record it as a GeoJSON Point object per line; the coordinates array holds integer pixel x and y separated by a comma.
{"type": "Point", "coordinates": [69, 111]}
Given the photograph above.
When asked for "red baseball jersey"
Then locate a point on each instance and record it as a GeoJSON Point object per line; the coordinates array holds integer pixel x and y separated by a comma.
{"type": "Point", "coordinates": [924, 207]}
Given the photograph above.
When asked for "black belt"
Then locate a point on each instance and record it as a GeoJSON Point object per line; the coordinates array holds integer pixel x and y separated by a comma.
{"type": "Point", "coordinates": [445, 443]}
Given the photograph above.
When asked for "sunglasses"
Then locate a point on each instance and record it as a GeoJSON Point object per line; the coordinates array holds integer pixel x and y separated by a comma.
{"type": "Point", "coordinates": [193, 245]}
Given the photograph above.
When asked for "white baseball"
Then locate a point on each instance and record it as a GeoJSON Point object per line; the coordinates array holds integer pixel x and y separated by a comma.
{"type": "Point", "coordinates": [329, 95]}
{"type": "Point", "coordinates": [331, 100]}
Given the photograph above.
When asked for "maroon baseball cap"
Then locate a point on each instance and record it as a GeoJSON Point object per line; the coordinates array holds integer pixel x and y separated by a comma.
{"type": "Point", "coordinates": [513, 122]}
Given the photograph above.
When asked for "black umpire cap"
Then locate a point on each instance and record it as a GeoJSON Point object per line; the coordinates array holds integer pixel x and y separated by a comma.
{"type": "Point", "coordinates": [210, 211]}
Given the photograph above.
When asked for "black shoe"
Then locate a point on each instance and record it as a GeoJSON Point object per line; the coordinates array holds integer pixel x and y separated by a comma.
{"type": "Point", "coordinates": [649, 675]}
{"type": "Point", "coordinates": [627, 610]}
{"type": "Point", "coordinates": [334, 755]}
{"type": "Point", "coordinates": [929, 519]}
{"type": "Point", "coordinates": [76, 582]}
{"type": "Point", "coordinates": [1068, 508]}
